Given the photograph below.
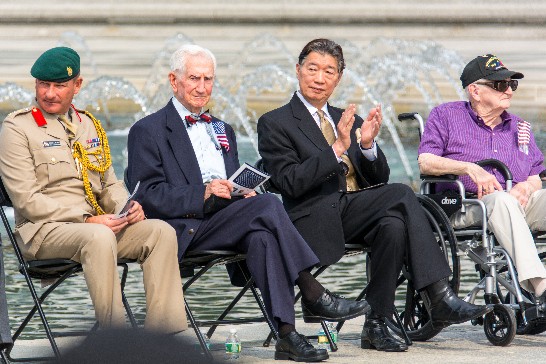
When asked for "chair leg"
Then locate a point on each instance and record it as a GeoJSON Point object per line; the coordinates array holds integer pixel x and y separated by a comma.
{"type": "Point", "coordinates": [333, 345]}
{"type": "Point", "coordinates": [38, 307]}
{"type": "Point", "coordinates": [402, 329]}
{"type": "Point", "coordinates": [130, 315]}
{"type": "Point", "coordinates": [259, 302]}
{"type": "Point", "coordinates": [198, 332]}
{"type": "Point", "coordinates": [3, 357]}
{"type": "Point", "coordinates": [228, 309]}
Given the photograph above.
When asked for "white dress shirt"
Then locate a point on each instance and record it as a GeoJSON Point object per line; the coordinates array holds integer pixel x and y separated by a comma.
{"type": "Point", "coordinates": [205, 146]}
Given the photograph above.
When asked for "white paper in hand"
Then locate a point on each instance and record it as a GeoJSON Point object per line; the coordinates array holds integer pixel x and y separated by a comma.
{"type": "Point", "coordinates": [246, 179]}
{"type": "Point", "coordinates": [125, 210]}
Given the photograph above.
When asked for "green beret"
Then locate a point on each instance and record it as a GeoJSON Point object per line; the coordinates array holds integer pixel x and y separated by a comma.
{"type": "Point", "coordinates": [58, 64]}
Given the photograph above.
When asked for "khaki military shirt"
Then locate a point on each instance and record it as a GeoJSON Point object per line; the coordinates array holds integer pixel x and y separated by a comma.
{"type": "Point", "coordinates": [43, 180]}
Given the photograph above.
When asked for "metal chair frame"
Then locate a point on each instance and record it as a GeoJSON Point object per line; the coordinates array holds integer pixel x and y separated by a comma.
{"type": "Point", "coordinates": [203, 261]}
{"type": "Point", "coordinates": [59, 269]}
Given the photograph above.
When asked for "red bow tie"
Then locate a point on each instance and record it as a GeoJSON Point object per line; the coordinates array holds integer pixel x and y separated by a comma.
{"type": "Point", "coordinates": [194, 118]}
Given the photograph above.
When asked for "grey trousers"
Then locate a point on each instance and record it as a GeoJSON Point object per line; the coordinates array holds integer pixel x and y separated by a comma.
{"type": "Point", "coordinates": [512, 225]}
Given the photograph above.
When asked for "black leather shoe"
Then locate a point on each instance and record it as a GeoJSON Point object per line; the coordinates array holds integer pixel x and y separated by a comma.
{"type": "Point", "coordinates": [332, 307]}
{"type": "Point", "coordinates": [448, 309]}
{"type": "Point", "coordinates": [376, 335]}
{"type": "Point", "coordinates": [296, 347]}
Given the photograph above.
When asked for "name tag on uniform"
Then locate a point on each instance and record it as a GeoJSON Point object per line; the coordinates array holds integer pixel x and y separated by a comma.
{"type": "Point", "coordinates": [51, 143]}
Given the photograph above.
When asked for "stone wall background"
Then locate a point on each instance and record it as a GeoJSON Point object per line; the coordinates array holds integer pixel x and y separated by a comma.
{"type": "Point", "coordinates": [125, 36]}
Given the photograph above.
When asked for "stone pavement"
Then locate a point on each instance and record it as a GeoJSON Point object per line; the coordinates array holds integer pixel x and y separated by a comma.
{"type": "Point", "coordinates": [456, 344]}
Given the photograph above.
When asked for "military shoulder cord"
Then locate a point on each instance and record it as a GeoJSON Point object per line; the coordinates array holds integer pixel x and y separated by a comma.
{"type": "Point", "coordinates": [104, 163]}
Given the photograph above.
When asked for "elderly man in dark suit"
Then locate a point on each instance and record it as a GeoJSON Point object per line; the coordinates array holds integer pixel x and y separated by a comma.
{"type": "Point", "coordinates": [332, 176]}
{"type": "Point", "coordinates": [182, 157]}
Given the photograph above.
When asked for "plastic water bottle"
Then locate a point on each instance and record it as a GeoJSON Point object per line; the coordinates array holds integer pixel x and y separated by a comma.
{"type": "Point", "coordinates": [233, 345]}
{"type": "Point", "coordinates": [322, 339]}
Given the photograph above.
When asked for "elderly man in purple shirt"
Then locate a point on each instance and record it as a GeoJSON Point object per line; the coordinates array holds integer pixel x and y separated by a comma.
{"type": "Point", "coordinates": [460, 133]}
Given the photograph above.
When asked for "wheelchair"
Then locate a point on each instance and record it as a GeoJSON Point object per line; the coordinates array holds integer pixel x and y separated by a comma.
{"type": "Point", "coordinates": [515, 310]}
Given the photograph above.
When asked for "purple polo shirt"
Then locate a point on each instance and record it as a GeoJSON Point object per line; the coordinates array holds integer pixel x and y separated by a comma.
{"type": "Point", "coordinates": [454, 131]}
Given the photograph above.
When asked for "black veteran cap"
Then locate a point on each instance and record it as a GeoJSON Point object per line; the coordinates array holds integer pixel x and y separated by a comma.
{"type": "Point", "coordinates": [58, 64]}
{"type": "Point", "coordinates": [488, 67]}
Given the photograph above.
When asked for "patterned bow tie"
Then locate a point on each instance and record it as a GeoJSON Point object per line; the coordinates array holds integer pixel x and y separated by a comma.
{"type": "Point", "coordinates": [194, 118]}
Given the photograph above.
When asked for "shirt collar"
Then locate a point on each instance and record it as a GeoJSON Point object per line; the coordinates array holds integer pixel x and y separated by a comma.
{"type": "Point", "coordinates": [181, 109]}
{"type": "Point", "coordinates": [505, 116]}
{"type": "Point", "coordinates": [311, 108]}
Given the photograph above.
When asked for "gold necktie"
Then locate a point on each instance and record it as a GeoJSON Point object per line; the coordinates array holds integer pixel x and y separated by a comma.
{"type": "Point", "coordinates": [330, 136]}
{"type": "Point", "coordinates": [69, 126]}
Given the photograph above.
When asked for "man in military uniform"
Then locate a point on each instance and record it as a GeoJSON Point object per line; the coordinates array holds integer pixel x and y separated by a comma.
{"type": "Point", "coordinates": [56, 166]}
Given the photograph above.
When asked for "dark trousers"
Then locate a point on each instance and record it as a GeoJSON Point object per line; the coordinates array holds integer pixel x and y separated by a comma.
{"type": "Point", "coordinates": [390, 220]}
{"type": "Point", "coordinates": [275, 251]}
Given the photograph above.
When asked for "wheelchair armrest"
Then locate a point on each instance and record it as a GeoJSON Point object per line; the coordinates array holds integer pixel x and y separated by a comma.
{"type": "Point", "coordinates": [503, 169]}
{"type": "Point", "coordinates": [442, 178]}
{"type": "Point", "coordinates": [413, 116]}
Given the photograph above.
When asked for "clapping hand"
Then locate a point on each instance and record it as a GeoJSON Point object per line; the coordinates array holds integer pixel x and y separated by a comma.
{"type": "Point", "coordinates": [370, 127]}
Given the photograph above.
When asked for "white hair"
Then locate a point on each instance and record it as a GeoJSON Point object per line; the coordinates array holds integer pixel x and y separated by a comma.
{"type": "Point", "coordinates": [180, 57]}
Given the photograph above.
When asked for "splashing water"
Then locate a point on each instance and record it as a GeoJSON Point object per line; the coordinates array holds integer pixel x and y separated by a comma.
{"type": "Point", "coordinates": [386, 71]}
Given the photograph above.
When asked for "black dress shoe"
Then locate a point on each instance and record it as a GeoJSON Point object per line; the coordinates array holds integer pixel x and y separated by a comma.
{"type": "Point", "coordinates": [332, 307]}
{"type": "Point", "coordinates": [376, 335]}
{"type": "Point", "coordinates": [296, 347]}
{"type": "Point", "coordinates": [448, 309]}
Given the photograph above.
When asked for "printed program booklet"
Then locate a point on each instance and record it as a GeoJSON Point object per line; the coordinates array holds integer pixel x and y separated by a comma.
{"type": "Point", "coordinates": [125, 210]}
{"type": "Point", "coordinates": [246, 179]}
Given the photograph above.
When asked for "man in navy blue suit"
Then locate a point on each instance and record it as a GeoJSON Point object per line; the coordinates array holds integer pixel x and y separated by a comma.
{"type": "Point", "coordinates": [182, 157]}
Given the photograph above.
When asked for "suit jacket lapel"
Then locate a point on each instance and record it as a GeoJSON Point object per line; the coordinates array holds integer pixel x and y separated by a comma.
{"type": "Point", "coordinates": [228, 160]}
{"type": "Point", "coordinates": [181, 146]}
{"type": "Point", "coordinates": [307, 124]}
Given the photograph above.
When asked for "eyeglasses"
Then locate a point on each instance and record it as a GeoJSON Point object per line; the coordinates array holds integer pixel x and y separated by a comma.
{"type": "Point", "coordinates": [500, 86]}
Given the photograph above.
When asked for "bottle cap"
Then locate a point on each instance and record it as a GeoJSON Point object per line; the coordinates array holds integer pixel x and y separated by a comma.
{"type": "Point", "coordinates": [233, 330]}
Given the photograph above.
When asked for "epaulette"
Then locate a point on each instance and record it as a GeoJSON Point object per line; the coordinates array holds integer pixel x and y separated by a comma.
{"type": "Point", "coordinates": [38, 116]}
{"type": "Point", "coordinates": [19, 112]}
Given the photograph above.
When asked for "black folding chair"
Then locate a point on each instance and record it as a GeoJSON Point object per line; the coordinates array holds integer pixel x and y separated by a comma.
{"type": "Point", "coordinates": [203, 261]}
{"type": "Point", "coordinates": [50, 269]}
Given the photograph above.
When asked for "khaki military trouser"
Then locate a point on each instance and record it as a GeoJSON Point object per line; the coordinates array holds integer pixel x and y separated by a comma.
{"type": "Point", "coordinates": [512, 225]}
{"type": "Point", "coordinates": [151, 242]}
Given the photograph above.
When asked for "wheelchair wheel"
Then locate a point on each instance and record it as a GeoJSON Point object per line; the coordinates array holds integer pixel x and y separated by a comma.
{"type": "Point", "coordinates": [532, 328]}
{"type": "Point", "coordinates": [413, 313]}
{"type": "Point", "coordinates": [500, 325]}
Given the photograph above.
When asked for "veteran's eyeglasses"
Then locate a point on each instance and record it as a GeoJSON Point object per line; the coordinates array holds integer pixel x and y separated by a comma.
{"type": "Point", "coordinates": [500, 86]}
